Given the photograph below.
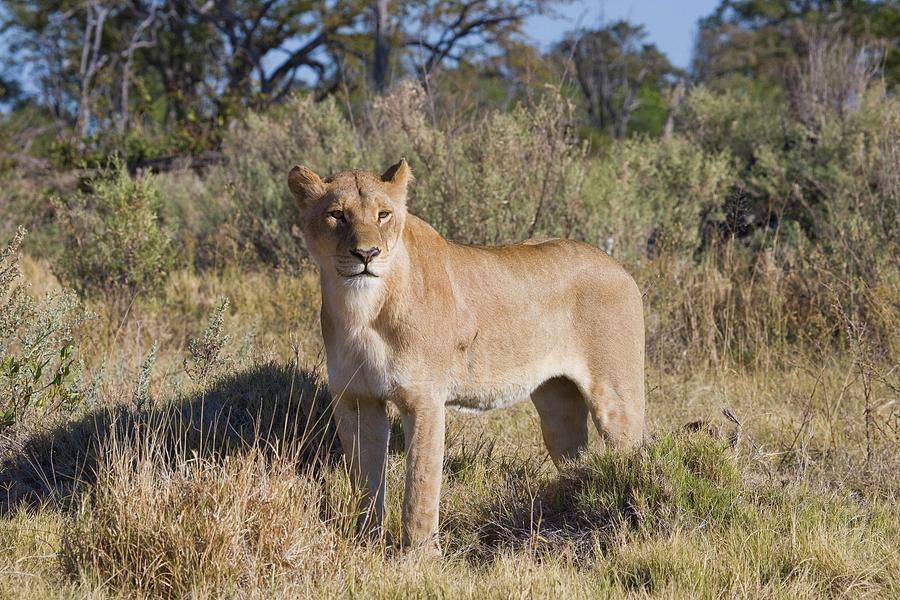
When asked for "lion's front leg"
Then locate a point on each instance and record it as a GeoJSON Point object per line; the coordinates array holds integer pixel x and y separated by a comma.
{"type": "Point", "coordinates": [423, 429]}
{"type": "Point", "coordinates": [363, 428]}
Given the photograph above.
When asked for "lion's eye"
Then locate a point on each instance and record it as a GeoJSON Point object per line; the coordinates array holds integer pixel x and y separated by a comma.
{"type": "Point", "coordinates": [383, 215]}
{"type": "Point", "coordinates": [337, 215]}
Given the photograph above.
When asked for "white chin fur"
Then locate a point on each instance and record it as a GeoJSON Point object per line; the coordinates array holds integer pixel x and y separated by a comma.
{"type": "Point", "coordinates": [361, 281]}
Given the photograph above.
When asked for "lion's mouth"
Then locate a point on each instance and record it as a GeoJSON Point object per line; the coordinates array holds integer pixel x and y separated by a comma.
{"type": "Point", "coordinates": [358, 271]}
{"type": "Point", "coordinates": [364, 273]}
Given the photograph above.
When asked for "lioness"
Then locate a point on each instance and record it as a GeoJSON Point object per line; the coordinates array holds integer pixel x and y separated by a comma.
{"type": "Point", "coordinates": [412, 318]}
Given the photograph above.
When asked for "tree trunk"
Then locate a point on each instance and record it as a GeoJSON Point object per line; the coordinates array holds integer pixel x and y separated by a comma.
{"type": "Point", "coordinates": [136, 43]}
{"type": "Point", "coordinates": [382, 48]}
{"type": "Point", "coordinates": [676, 95]}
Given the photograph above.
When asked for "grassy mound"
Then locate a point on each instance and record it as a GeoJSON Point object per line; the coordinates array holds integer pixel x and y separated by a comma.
{"type": "Point", "coordinates": [161, 531]}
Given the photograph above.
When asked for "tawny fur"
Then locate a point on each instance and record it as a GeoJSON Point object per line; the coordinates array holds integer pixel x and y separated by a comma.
{"type": "Point", "coordinates": [429, 323]}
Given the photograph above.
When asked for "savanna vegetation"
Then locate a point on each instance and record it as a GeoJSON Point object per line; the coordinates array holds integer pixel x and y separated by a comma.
{"type": "Point", "coordinates": [164, 421]}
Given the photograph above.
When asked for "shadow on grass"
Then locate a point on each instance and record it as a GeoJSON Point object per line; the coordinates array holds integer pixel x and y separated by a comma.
{"type": "Point", "coordinates": [683, 478]}
{"type": "Point", "coordinates": [532, 514]}
{"type": "Point", "coordinates": [272, 407]}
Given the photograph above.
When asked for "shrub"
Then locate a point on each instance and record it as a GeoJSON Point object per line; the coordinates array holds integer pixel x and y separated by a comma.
{"type": "Point", "coordinates": [805, 237]}
{"type": "Point", "coordinates": [650, 196]}
{"type": "Point", "coordinates": [733, 122]}
{"type": "Point", "coordinates": [38, 359]}
{"type": "Point", "coordinates": [679, 477]}
{"type": "Point", "coordinates": [260, 152]}
{"type": "Point", "coordinates": [206, 352]}
{"type": "Point", "coordinates": [506, 177]}
{"type": "Point", "coordinates": [116, 243]}
{"type": "Point", "coordinates": [679, 481]}
{"type": "Point", "coordinates": [316, 134]}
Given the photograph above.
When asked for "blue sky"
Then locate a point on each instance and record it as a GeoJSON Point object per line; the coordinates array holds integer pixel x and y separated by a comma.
{"type": "Point", "coordinates": [670, 24]}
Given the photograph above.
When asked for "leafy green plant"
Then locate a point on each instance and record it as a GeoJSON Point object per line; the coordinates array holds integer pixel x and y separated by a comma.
{"type": "Point", "coordinates": [39, 370]}
{"type": "Point", "coordinates": [654, 192]}
{"type": "Point", "coordinates": [207, 357]}
{"type": "Point", "coordinates": [116, 241]}
{"type": "Point", "coordinates": [501, 178]}
{"type": "Point", "coordinates": [260, 150]}
{"type": "Point", "coordinates": [140, 398]}
{"type": "Point", "coordinates": [678, 477]}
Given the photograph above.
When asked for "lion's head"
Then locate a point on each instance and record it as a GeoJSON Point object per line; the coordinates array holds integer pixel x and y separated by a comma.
{"type": "Point", "coordinates": [352, 221]}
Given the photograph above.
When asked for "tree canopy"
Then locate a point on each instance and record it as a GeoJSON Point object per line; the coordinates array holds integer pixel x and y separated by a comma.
{"type": "Point", "coordinates": [147, 76]}
{"type": "Point", "coordinates": [761, 39]}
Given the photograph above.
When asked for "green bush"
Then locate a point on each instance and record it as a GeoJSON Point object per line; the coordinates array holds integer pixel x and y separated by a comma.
{"type": "Point", "coordinates": [680, 481]}
{"type": "Point", "coordinates": [734, 122]}
{"type": "Point", "coordinates": [316, 134]}
{"type": "Point", "coordinates": [260, 151]}
{"type": "Point", "coordinates": [504, 178]}
{"type": "Point", "coordinates": [678, 477]}
{"type": "Point", "coordinates": [793, 241]}
{"type": "Point", "coordinates": [836, 178]}
{"type": "Point", "coordinates": [648, 194]}
{"type": "Point", "coordinates": [39, 370]}
{"type": "Point", "coordinates": [116, 243]}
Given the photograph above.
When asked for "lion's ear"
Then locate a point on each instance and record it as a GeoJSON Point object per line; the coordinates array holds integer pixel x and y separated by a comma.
{"type": "Point", "coordinates": [305, 185]}
{"type": "Point", "coordinates": [398, 175]}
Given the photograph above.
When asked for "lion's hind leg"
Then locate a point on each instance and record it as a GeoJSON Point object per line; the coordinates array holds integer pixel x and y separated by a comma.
{"type": "Point", "coordinates": [563, 414]}
{"type": "Point", "coordinates": [618, 412]}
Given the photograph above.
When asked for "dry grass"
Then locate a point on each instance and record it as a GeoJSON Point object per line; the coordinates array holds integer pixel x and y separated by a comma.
{"type": "Point", "coordinates": [167, 527]}
{"type": "Point", "coordinates": [224, 487]}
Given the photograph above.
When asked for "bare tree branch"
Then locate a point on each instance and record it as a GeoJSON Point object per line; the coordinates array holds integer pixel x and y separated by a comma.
{"type": "Point", "coordinates": [136, 42]}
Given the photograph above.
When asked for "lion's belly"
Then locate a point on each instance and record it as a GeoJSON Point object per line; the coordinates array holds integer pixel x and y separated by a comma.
{"type": "Point", "coordinates": [482, 397]}
{"type": "Point", "coordinates": [487, 391]}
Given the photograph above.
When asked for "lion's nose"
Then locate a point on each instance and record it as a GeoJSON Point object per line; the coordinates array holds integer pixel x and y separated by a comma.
{"type": "Point", "coordinates": [366, 255]}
